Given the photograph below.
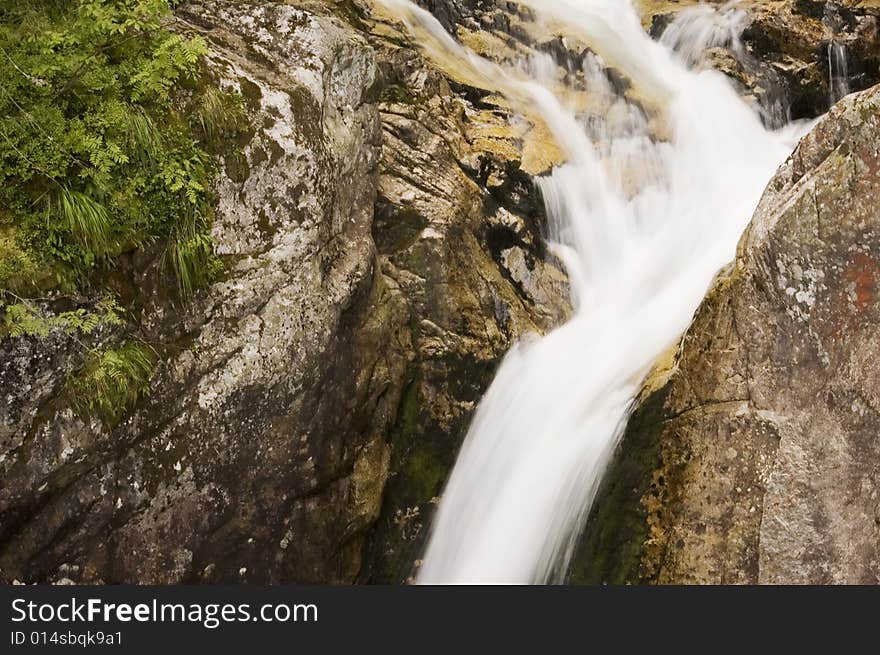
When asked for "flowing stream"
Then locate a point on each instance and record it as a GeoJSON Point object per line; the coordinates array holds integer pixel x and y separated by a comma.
{"type": "Point", "coordinates": [656, 189]}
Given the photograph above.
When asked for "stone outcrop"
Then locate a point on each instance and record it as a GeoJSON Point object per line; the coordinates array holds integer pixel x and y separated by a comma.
{"type": "Point", "coordinates": [459, 233]}
{"type": "Point", "coordinates": [259, 454]}
{"type": "Point", "coordinates": [794, 58]}
{"type": "Point", "coordinates": [809, 45]}
{"type": "Point", "coordinates": [759, 461]}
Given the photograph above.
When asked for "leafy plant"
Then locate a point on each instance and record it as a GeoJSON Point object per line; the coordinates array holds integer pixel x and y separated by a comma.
{"type": "Point", "coordinates": [104, 129]}
{"type": "Point", "coordinates": [26, 318]}
{"type": "Point", "coordinates": [112, 380]}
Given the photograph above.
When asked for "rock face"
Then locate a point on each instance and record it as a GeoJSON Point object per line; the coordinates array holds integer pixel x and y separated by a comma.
{"type": "Point", "coordinates": [759, 461]}
{"type": "Point", "coordinates": [458, 228]}
{"type": "Point", "coordinates": [259, 454]}
{"type": "Point", "coordinates": [377, 267]}
{"type": "Point", "coordinates": [815, 52]}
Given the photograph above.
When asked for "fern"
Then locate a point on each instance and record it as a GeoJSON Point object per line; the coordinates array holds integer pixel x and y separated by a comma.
{"type": "Point", "coordinates": [112, 380]}
{"type": "Point", "coordinates": [173, 59]}
{"type": "Point", "coordinates": [24, 318]}
{"type": "Point", "coordinates": [103, 140]}
{"type": "Point", "coordinates": [20, 319]}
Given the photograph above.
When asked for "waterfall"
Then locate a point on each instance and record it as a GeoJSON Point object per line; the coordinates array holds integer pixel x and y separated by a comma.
{"type": "Point", "coordinates": [698, 28]}
{"type": "Point", "coordinates": [657, 187]}
{"type": "Point", "coordinates": [838, 71]}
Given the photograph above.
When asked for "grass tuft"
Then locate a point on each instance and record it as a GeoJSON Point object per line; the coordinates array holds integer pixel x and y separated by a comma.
{"type": "Point", "coordinates": [86, 218]}
{"type": "Point", "coordinates": [219, 114]}
{"type": "Point", "coordinates": [191, 254]}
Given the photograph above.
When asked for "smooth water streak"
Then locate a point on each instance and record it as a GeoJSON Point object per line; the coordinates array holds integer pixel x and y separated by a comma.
{"type": "Point", "coordinates": [838, 71]}
{"type": "Point", "coordinates": [642, 222]}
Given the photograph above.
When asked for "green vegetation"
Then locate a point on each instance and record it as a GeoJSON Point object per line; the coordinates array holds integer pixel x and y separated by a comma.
{"type": "Point", "coordinates": [104, 137]}
{"type": "Point", "coordinates": [112, 380]}
{"type": "Point", "coordinates": [107, 130]}
{"type": "Point", "coordinates": [26, 318]}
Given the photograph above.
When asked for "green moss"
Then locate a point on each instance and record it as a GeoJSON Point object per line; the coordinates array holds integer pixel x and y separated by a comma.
{"type": "Point", "coordinates": [303, 105]}
{"type": "Point", "coordinates": [396, 229]}
{"type": "Point", "coordinates": [18, 268]}
{"type": "Point", "coordinates": [352, 13]}
{"type": "Point", "coordinates": [408, 414]}
{"type": "Point", "coordinates": [394, 544]}
{"type": "Point", "coordinates": [251, 93]}
{"type": "Point", "coordinates": [610, 551]}
{"type": "Point", "coordinates": [423, 452]}
{"type": "Point", "coordinates": [398, 94]}
{"type": "Point", "coordinates": [425, 469]}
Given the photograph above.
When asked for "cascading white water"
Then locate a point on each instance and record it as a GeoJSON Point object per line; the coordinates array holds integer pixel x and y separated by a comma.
{"type": "Point", "coordinates": [642, 226]}
{"type": "Point", "coordinates": [838, 71]}
{"type": "Point", "coordinates": [698, 28]}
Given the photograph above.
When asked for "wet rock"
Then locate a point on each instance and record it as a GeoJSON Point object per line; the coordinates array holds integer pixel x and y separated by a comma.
{"type": "Point", "coordinates": [459, 228]}
{"type": "Point", "coordinates": [799, 56]}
